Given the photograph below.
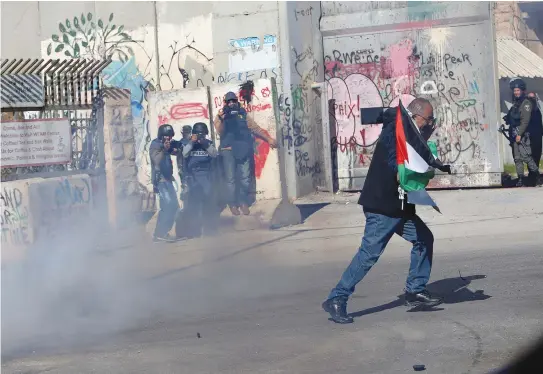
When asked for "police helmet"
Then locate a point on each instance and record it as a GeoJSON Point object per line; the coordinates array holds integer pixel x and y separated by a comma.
{"type": "Point", "coordinates": [200, 128]}
{"type": "Point", "coordinates": [230, 96]}
{"type": "Point", "coordinates": [517, 83]}
{"type": "Point", "coordinates": [187, 129]}
{"type": "Point", "coordinates": [165, 130]}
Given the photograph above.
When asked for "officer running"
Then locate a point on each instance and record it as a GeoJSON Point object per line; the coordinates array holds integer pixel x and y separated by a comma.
{"type": "Point", "coordinates": [521, 121]}
{"type": "Point", "coordinates": [199, 208]}
{"type": "Point", "coordinates": [160, 152]}
{"type": "Point", "coordinates": [236, 131]}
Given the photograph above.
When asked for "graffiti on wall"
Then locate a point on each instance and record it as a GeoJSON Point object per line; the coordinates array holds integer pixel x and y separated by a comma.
{"type": "Point", "coordinates": [187, 62]}
{"type": "Point", "coordinates": [382, 76]}
{"type": "Point", "coordinates": [14, 213]}
{"type": "Point", "coordinates": [60, 203]}
{"type": "Point", "coordinates": [299, 110]}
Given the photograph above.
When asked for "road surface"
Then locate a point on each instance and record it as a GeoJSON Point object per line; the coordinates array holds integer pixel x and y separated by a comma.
{"type": "Point", "coordinates": [249, 302]}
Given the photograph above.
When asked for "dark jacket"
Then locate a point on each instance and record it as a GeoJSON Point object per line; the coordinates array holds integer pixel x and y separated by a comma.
{"type": "Point", "coordinates": [380, 191]}
{"type": "Point", "coordinates": [161, 162]}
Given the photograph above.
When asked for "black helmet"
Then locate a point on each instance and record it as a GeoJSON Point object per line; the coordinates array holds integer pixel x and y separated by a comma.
{"type": "Point", "coordinates": [165, 130]}
{"type": "Point", "coordinates": [200, 128]}
{"type": "Point", "coordinates": [230, 96]}
{"type": "Point", "coordinates": [517, 83]}
{"type": "Point", "coordinates": [187, 129]}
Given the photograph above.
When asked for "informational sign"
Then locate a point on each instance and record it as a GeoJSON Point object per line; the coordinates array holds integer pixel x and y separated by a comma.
{"type": "Point", "coordinates": [249, 55]}
{"type": "Point", "coordinates": [36, 142]}
{"type": "Point", "coordinates": [22, 91]}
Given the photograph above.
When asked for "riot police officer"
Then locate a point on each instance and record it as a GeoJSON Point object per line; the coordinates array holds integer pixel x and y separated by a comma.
{"type": "Point", "coordinates": [199, 208]}
{"type": "Point", "coordinates": [160, 152]}
{"type": "Point", "coordinates": [520, 121]}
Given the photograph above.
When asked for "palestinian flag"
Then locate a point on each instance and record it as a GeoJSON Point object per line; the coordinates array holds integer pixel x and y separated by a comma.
{"type": "Point", "coordinates": [416, 159]}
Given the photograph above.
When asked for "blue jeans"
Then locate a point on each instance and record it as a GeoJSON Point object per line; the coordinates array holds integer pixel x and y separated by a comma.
{"type": "Point", "coordinates": [379, 229]}
{"type": "Point", "coordinates": [168, 208]}
{"type": "Point", "coordinates": [237, 175]}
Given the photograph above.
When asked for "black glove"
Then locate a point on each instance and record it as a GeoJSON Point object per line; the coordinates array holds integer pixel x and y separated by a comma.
{"type": "Point", "coordinates": [446, 168]}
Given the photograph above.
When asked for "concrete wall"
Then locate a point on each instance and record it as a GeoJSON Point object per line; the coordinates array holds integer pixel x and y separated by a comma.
{"type": "Point", "coordinates": [182, 45]}
{"type": "Point", "coordinates": [379, 53]}
{"type": "Point", "coordinates": [40, 208]}
{"type": "Point", "coordinates": [299, 105]}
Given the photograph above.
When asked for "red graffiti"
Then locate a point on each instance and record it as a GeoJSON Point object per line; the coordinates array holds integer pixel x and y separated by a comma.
{"type": "Point", "coordinates": [218, 101]}
{"type": "Point", "coordinates": [257, 108]}
{"type": "Point", "coordinates": [265, 92]}
{"type": "Point", "coordinates": [188, 110]}
{"type": "Point", "coordinates": [162, 120]}
{"type": "Point", "coordinates": [261, 155]}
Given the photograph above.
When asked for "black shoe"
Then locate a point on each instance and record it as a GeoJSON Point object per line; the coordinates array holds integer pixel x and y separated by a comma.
{"type": "Point", "coordinates": [520, 182]}
{"type": "Point", "coordinates": [422, 299]}
{"type": "Point", "coordinates": [337, 307]}
{"type": "Point", "coordinates": [164, 239]}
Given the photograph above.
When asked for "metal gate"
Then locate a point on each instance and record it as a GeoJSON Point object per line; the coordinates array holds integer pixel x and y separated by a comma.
{"type": "Point", "coordinates": [67, 89]}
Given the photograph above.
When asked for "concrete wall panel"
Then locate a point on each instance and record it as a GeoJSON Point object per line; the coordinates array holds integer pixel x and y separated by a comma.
{"type": "Point", "coordinates": [372, 66]}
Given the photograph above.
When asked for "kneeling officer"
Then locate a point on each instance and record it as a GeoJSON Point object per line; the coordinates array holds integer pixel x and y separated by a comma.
{"type": "Point", "coordinates": [198, 155]}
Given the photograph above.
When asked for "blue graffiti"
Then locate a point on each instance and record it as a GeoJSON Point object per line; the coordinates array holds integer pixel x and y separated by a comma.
{"type": "Point", "coordinates": [126, 75]}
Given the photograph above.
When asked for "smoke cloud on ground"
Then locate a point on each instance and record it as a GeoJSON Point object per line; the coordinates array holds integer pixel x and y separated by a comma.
{"type": "Point", "coordinates": [71, 289]}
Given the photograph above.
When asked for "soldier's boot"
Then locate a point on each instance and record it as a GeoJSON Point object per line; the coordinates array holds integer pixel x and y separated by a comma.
{"type": "Point", "coordinates": [520, 182]}
{"type": "Point", "coordinates": [245, 209]}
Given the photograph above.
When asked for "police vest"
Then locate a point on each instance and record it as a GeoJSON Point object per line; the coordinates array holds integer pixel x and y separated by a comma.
{"type": "Point", "coordinates": [237, 134]}
{"type": "Point", "coordinates": [199, 160]}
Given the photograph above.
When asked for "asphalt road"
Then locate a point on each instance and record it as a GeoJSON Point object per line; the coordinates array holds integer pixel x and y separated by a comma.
{"type": "Point", "coordinates": [250, 303]}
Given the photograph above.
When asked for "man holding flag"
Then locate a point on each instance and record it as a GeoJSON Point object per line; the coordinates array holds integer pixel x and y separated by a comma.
{"type": "Point", "coordinates": [402, 162]}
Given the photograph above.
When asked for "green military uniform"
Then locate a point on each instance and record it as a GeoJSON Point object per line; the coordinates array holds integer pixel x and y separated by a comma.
{"type": "Point", "coordinates": [522, 152]}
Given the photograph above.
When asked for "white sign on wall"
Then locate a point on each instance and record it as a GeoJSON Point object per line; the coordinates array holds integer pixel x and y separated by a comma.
{"type": "Point", "coordinates": [249, 56]}
{"type": "Point", "coordinates": [36, 142]}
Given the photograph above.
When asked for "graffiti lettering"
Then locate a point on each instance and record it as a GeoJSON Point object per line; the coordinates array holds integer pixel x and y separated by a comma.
{"type": "Point", "coordinates": [243, 77]}
{"type": "Point", "coordinates": [188, 110]}
{"type": "Point", "coordinates": [353, 57]}
{"type": "Point", "coordinates": [303, 12]}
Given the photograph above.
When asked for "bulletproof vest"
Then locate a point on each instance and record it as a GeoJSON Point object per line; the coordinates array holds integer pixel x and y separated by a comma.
{"type": "Point", "coordinates": [237, 134]}
{"type": "Point", "coordinates": [199, 160]}
{"type": "Point", "coordinates": [165, 170]}
{"type": "Point", "coordinates": [514, 114]}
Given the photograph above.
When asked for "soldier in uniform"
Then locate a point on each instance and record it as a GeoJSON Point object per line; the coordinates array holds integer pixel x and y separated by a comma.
{"type": "Point", "coordinates": [197, 170]}
{"type": "Point", "coordinates": [521, 121]}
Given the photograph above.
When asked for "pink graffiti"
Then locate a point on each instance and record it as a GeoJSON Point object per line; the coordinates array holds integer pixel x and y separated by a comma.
{"type": "Point", "coordinates": [399, 57]}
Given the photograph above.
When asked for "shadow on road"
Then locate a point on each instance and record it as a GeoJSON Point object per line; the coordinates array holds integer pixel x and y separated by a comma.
{"type": "Point", "coordinates": [309, 209]}
{"type": "Point", "coordinates": [453, 290]}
